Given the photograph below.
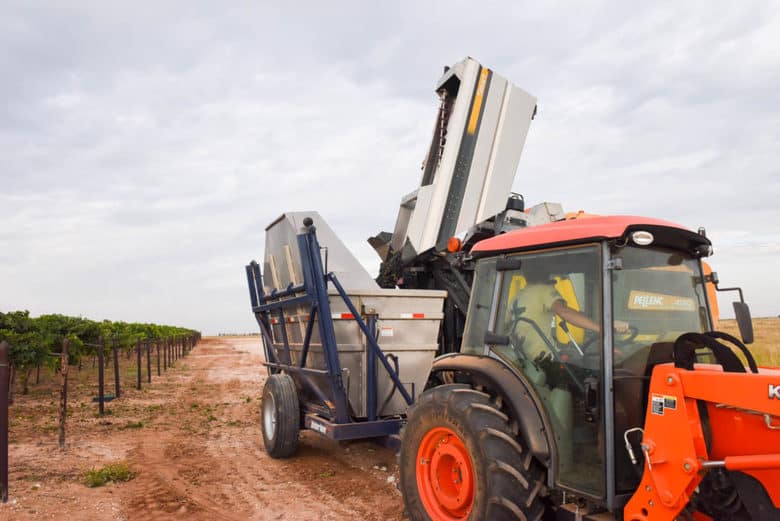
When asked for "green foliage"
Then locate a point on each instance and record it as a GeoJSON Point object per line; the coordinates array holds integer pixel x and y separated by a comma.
{"type": "Point", "coordinates": [34, 341]}
{"type": "Point", "coordinates": [25, 339]}
{"type": "Point", "coordinates": [113, 473]}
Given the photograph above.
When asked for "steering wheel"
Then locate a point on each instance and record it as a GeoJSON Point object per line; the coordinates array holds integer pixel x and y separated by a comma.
{"type": "Point", "coordinates": [626, 338]}
{"type": "Point", "coordinates": [591, 337]}
{"type": "Point", "coordinates": [618, 339]}
{"type": "Point", "coordinates": [555, 353]}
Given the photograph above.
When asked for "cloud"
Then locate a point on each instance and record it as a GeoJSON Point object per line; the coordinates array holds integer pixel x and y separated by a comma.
{"type": "Point", "coordinates": [149, 145]}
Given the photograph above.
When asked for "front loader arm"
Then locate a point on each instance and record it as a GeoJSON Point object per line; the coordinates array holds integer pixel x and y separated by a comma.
{"type": "Point", "coordinates": [743, 422]}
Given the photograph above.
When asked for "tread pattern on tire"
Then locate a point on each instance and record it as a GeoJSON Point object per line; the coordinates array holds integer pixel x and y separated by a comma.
{"type": "Point", "coordinates": [285, 396]}
{"type": "Point", "coordinates": [509, 480]}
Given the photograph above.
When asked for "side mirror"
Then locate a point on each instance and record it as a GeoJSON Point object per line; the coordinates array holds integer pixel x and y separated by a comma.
{"type": "Point", "coordinates": [745, 323]}
{"type": "Point", "coordinates": [741, 312]}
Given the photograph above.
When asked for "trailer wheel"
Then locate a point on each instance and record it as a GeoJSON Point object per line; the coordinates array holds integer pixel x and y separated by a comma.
{"type": "Point", "coordinates": [460, 460]}
{"type": "Point", "coordinates": [280, 416]}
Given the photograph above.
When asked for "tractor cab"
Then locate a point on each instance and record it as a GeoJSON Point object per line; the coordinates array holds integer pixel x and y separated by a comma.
{"type": "Point", "coordinates": [581, 310]}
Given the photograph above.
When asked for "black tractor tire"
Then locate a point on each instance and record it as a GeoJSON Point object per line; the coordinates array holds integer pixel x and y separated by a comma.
{"type": "Point", "coordinates": [280, 416]}
{"type": "Point", "coordinates": [506, 480]}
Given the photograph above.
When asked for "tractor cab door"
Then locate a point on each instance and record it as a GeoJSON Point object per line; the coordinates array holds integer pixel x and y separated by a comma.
{"type": "Point", "coordinates": [661, 294]}
{"type": "Point", "coordinates": [521, 297]}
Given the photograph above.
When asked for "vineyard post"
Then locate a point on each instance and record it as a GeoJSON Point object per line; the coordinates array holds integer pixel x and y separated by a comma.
{"type": "Point", "coordinates": [148, 361]}
{"type": "Point", "coordinates": [11, 385]}
{"type": "Point", "coordinates": [101, 376]}
{"type": "Point", "coordinates": [116, 368]}
{"type": "Point", "coordinates": [165, 354]}
{"type": "Point", "coordinates": [5, 382]}
{"type": "Point", "coordinates": [64, 391]}
{"type": "Point", "coordinates": [138, 364]}
{"type": "Point", "coordinates": [157, 344]}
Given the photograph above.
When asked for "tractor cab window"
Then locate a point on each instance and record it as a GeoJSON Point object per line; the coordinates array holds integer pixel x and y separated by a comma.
{"type": "Point", "coordinates": [660, 294]}
{"type": "Point", "coordinates": [550, 309]}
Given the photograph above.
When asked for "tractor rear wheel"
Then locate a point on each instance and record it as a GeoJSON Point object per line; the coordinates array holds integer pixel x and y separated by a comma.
{"type": "Point", "coordinates": [461, 460]}
{"type": "Point", "coordinates": [280, 416]}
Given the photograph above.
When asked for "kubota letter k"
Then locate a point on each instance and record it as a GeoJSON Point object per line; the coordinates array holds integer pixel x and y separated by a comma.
{"type": "Point", "coordinates": [774, 392]}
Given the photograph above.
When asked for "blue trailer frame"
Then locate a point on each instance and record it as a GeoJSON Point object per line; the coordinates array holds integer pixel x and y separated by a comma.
{"type": "Point", "coordinates": [329, 414]}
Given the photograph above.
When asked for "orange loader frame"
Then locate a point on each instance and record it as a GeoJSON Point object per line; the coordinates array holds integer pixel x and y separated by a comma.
{"type": "Point", "coordinates": [744, 423]}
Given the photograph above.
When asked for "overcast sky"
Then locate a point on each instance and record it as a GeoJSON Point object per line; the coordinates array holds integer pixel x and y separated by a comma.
{"type": "Point", "coordinates": [146, 145]}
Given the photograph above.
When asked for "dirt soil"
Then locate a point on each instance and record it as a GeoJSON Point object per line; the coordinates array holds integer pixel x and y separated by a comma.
{"type": "Point", "coordinates": [193, 439]}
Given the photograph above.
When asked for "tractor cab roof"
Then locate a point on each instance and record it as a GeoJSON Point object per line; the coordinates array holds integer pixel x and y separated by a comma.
{"type": "Point", "coordinates": [591, 229]}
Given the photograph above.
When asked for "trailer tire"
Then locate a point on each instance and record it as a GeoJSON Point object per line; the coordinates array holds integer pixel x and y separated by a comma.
{"type": "Point", "coordinates": [462, 460]}
{"type": "Point", "coordinates": [280, 416]}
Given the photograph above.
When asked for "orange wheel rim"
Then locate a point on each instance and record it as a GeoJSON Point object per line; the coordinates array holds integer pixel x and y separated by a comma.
{"type": "Point", "coordinates": [445, 477]}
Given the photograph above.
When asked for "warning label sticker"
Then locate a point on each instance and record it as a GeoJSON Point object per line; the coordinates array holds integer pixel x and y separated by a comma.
{"type": "Point", "coordinates": [657, 406]}
{"type": "Point", "coordinates": [660, 403]}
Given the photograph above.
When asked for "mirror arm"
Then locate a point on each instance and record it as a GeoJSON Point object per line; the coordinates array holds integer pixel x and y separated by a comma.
{"type": "Point", "coordinates": [741, 298]}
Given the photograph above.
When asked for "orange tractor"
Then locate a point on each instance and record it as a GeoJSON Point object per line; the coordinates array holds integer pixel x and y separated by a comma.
{"type": "Point", "coordinates": [638, 412]}
{"type": "Point", "coordinates": [538, 365]}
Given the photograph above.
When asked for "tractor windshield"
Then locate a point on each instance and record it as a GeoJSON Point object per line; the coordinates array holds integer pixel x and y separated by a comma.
{"type": "Point", "coordinates": [657, 295]}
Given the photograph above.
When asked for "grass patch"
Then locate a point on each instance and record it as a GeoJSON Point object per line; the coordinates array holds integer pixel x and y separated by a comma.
{"type": "Point", "coordinates": [133, 425]}
{"type": "Point", "coordinates": [766, 349]}
{"type": "Point", "coordinates": [113, 473]}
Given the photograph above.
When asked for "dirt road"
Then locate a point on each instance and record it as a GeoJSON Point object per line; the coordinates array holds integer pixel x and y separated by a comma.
{"type": "Point", "coordinates": [193, 438]}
